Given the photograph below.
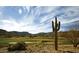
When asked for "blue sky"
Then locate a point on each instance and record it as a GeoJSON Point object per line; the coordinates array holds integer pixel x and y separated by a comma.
{"type": "Point", "coordinates": [35, 19]}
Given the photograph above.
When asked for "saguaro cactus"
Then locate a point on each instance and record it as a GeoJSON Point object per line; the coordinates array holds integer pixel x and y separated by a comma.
{"type": "Point", "coordinates": [56, 27]}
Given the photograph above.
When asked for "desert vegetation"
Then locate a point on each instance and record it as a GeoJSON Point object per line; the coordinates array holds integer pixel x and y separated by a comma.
{"type": "Point", "coordinates": [55, 41]}
{"type": "Point", "coordinates": [56, 27]}
{"type": "Point", "coordinates": [41, 42]}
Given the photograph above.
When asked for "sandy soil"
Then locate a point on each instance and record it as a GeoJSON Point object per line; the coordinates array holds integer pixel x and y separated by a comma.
{"type": "Point", "coordinates": [44, 49]}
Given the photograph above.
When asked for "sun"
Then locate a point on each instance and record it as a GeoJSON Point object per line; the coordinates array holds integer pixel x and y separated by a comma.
{"type": "Point", "coordinates": [20, 11]}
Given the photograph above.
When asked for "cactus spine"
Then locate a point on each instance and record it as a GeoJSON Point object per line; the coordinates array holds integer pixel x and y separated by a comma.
{"type": "Point", "coordinates": [56, 27]}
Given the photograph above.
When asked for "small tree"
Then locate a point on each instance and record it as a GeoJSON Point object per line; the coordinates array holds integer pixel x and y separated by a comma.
{"type": "Point", "coordinates": [73, 35]}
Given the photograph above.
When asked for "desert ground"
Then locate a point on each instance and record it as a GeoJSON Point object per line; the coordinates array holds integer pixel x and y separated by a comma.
{"type": "Point", "coordinates": [38, 45]}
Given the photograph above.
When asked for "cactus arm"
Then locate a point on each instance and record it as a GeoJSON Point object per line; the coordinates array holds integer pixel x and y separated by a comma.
{"type": "Point", "coordinates": [58, 27]}
{"type": "Point", "coordinates": [56, 18]}
{"type": "Point", "coordinates": [53, 26]}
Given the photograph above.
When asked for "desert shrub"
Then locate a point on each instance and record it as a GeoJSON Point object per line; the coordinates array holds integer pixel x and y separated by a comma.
{"type": "Point", "coordinates": [18, 46]}
{"type": "Point", "coordinates": [11, 47]}
{"type": "Point", "coordinates": [73, 36]}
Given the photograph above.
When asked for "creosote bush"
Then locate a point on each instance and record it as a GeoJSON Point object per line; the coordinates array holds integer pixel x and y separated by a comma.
{"type": "Point", "coordinates": [17, 47]}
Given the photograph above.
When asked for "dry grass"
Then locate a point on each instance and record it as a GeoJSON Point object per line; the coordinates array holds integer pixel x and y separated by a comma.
{"type": "Point", "coordinates": [39, 47]}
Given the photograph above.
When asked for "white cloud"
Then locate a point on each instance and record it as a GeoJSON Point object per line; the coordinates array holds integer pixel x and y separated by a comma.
{"type": "Point", "coordinates": [65, 21]}
{"type": "Point", "coordinates": [11, 25]}
{"type": "Point", "coordinates": [27, 23]}
{"type": "Point", "coordinates": [26, 8]}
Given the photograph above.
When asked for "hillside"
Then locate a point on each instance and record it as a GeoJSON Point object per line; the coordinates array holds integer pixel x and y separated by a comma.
{"type": "Point", "coordinates": [4, 33]}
